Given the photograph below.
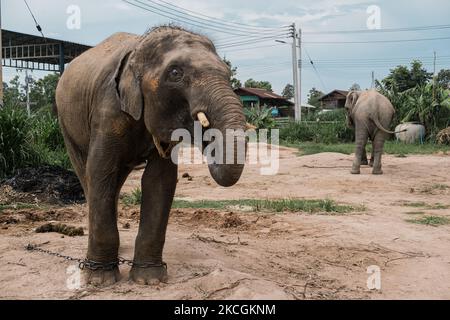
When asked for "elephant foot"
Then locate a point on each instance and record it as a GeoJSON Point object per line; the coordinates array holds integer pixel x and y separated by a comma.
{"type": "Point", "coordinates": [149, 276]}
{"type": "Point", "coordinates": [371, 164]}
{"type": "Point", "coordinates": [356, 170]}
{"type": "Point", "coordinates": [101, 278]}
{"type": "Point", "coordinates": [377, 172]}
{"type": "Point", "coordinates": [364, 162]}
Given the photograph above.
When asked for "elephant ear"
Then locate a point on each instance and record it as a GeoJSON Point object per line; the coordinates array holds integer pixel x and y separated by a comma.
{"type": "Point", "coordinates": [128, 87]}
{"type": "Point", "coordinates": [352, 98]}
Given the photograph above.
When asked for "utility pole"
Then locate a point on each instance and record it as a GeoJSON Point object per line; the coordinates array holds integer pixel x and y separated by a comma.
{"type": "Point", "coordinates": [373, 79]}
{"type": "Point", "coordinates": [299, 66]}
{"type": "Point", "coordinates": [434, 76]}
{"type": "Point", "coordinates": [1, 58]}
{"type": "Point", "coordinates": [27, 88]}
{"type": "Point", "coordinates": [298, 116]}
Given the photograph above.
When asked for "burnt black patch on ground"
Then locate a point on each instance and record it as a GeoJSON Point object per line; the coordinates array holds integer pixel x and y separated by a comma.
{"type": "Point", "coordinates": [50, 184]}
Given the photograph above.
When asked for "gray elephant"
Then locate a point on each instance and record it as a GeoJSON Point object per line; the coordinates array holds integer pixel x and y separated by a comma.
{"type": "Point", "coordinates": [118, 105]}
{"type": "Point", "coordinates": [369, 113]}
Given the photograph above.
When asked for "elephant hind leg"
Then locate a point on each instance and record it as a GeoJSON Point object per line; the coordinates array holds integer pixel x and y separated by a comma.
{"type": "Point", "coordinates": [364, 160]}
{"type": "Point", "coordinates": [378, 147]}
{"type": "Point", "coordinates": [361, 141]}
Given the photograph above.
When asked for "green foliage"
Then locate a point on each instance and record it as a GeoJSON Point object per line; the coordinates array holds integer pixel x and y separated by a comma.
{"type": "Point", "coordinates": [403, 78]}
{"type": "Point", "coordinates": [133, 199]}
{"type": "Point", "coordinates": [28, 141]}
{"type": "Point", "coordinates": [260, 117]}
{"type": "Point", "coordinates": [329, 127]}
{"type": "Point", "coordinates": [443, 78]}
{"type": "Point", "coordinates": [235, 82]}
{"type": "Point", "coordinates": [266, 85]}
{"type": "Point", "coordinates": [428, 104]}
{"type": "Point", "coordinates": [313, 97]}
{"type": "Point", "coordinates": [42, 91]}
{"type": "Point", "coordinates": [288, 92]}
{"type": "Point", "coordinates": [16, 151]}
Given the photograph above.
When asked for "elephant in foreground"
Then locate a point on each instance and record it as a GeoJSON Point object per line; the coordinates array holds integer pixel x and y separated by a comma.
{"type": "Point", "coordinates": [118, 105]}
{"type": "Point", "coordinates": [369, 113]}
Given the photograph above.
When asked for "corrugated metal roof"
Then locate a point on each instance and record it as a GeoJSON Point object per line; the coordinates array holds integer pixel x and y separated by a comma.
{"type": "Point", "coordinates": [264, 94]}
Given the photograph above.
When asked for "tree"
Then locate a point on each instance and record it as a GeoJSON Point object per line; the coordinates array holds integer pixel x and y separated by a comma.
{"type": "Point", "coordinates": [288, 92]}
{"type": "Point", "coordinates": [235, 82]}
{"type": "Point", "coordinates": [42, 91]}
{"type": "Point", "coordinates": [12, 93]}
{"type": "Point", "coordinates": [313, 97]}
{"type": "Point", "coordinates": [403, 78]}
{"type": "Point", "coordinates": [266, 85]}
{"type": "Point", "coordinates": [443, 78]}
{"type": "Point", "coordinates": [355, 87]}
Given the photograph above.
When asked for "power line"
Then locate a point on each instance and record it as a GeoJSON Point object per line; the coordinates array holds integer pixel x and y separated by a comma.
{"type": "Point", "coordinates": [38, 27]}
{"type": "Point", "coordinates": [315, 69]}
{"type": "Point", "coordinates": [217, 20]}
{"type": "Point", "coordinates": [422, 28]}
{"type": "Point", "coordinates": [377, 41]}
{"type": "Point", "coordinates": [185, 18]}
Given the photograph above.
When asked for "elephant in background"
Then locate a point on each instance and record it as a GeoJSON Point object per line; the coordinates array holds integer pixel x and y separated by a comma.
{"type": "Point", "coordinates": [118, 105]}
{"type": "Point", "coordinates": [369, 113]}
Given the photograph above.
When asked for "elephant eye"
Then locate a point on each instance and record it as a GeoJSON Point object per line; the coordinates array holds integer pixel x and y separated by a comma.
{"type": "Point", "coordinates": [175, 74]}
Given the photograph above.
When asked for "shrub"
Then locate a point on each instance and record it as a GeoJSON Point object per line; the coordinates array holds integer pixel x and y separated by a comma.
{"type": "Point", "coordinates": [260, 117]}
{"type": "Point", "coordinates": [16, 151]}
{"type": "Point", "coordinates": [326, 128]}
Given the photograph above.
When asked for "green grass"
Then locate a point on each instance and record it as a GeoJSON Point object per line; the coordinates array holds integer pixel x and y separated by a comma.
{"type": "Point", "coordinates": [433, 221]}
{"type": "Point", "coordinates": [434, 187]}
{"type": "Point", "coordinates": [391, 147]}
{"type": "Point", "coordinates": [132, 199]}
{"type": "Point", "coordinates": [436, 206]}
{"type": "Point", "coordinates": [17, 206]}
{"type": "Point", "coordinates": [284, 205]}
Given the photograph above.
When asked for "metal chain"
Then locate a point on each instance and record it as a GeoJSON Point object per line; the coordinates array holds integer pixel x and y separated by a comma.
{"type": "Point", "coordinates": [94, 265]}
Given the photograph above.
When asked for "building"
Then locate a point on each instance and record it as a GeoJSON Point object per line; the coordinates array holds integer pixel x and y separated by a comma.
{"type": "Point", "coordinates": [334, 100]}
{"type": "Point", "coordinates": [256, 98]}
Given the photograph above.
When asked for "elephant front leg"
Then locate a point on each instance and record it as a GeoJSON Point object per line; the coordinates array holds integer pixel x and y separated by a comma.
{"type": "Point", "coordinates": [378, 147]}
{"type": "Point", "coordinates": [361, 141]}
{"type": "Point", "coordinates": [104, 178]}
{"type": "Point", "coordinates": [158, 188]}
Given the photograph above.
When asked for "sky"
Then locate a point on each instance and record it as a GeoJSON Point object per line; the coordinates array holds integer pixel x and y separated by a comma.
{"type": "Point", "coordinates": [337, 65]}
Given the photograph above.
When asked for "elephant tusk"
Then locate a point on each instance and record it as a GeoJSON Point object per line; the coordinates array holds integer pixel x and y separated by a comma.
{"type": "Point", "coordinates": [165, 154]}
{"type": "Point", "coordinates": [249, 126]}
{"type": "Point", "coordinates": [203, 119]}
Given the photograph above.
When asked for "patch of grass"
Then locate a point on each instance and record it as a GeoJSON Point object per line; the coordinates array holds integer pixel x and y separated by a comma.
{"type": "Point", "coordinates": [415, 213]}
{"type": "Point", "coordinates": [291, 205]}
{"type": "Point", "coordinates": [132, 199]}
{"type": "Point", "coordinates": [433, 221]}
{"type": "Point", "coordinates": [17, 206]}
{"type": "Point", "coordinates": [434, 187]}
{"type": "Point", "coordinates": [400, 150]}
{"type": "Point", "coordinates": [436, 206]}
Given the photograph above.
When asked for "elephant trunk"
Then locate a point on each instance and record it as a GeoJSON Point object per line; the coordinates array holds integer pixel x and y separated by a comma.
{"type": "Point", "coordinates": [224, 113]}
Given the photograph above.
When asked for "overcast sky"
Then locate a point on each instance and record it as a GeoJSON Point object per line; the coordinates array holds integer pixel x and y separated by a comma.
{"type": "Point", "coordinates": [350, 62]}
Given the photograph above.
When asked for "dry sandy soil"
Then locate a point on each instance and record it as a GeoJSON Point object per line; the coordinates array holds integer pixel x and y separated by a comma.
{"type": "Point", "coordinates": [236, 254]}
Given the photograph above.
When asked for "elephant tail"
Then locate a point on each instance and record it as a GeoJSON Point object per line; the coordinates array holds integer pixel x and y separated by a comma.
{"type": "Point", "coordinates": [380, 127]}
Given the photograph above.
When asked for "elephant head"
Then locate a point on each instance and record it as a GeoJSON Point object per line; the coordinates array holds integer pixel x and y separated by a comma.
{"type": "Point", "coordinates": [350, 103]}
{"type": "Point", "coordinates": [172, 78]}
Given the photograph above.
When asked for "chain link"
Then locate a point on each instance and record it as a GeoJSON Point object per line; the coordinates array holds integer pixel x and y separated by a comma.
{"type": "Point", "coordinates": [94, 265]}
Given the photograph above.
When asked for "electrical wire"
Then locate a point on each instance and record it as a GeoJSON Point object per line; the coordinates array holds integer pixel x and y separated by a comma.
{"type": "Point", "coordinates": [315, 69]}
{"type": "Point", "coordinates": [38, 27]}
{"type": "Point", "coordinates": [422, 28]}
{"type": "Point", "coordinates": [376, 41]}
{"type": "Point", "coordinates": [213, 20]}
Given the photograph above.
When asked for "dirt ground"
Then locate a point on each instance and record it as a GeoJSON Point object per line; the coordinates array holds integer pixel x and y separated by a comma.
{"type": "Point", "coordinates": [238, 254]}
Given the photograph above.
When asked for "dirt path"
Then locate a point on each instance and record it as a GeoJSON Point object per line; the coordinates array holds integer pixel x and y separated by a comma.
{"type": "Point", "coordinates": [245, 255]}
